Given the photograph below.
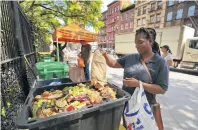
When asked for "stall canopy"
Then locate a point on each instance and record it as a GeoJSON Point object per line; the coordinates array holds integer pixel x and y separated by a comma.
{"type": "Point", "coordinates": [73, 33]}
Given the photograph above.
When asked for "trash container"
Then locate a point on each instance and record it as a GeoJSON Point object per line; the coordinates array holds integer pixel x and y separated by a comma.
{"type": "Point", "coordinates": [105, 116]}
{"type": "Point", "coordinates": [49, 70]}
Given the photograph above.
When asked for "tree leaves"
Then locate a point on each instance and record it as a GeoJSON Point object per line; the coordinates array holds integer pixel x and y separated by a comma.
{"type": "Point", "coordinates": [46, 15]}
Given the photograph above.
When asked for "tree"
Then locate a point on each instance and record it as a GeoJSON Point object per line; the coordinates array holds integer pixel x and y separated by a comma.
{"type": "Point", "coordinates": [47, 15]}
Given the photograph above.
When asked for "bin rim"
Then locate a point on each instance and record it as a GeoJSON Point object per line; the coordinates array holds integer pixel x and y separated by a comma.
{"type": "Point", "coordinates": [44, 53]}
{"type": "Point", "coordinates": [24, 123]}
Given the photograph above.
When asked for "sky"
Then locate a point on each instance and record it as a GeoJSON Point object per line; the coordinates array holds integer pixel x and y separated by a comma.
{"type": "Point", "coordinates": [105, 3]}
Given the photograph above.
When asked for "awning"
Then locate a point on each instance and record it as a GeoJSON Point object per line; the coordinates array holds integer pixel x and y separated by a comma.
{"type": "Point", "coordinates": [73, 33]}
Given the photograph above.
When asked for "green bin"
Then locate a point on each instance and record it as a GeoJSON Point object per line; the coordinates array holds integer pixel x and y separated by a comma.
{"type": "Point", "coordinates": [45, 57]}
{"type": "Point", "coordinates": [49, 70]}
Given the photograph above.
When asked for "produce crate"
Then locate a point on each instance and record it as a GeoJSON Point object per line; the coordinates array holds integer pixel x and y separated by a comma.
{"type": "Point", "coordinates": [104, 116]}
{"type": "Point", "coordinates": [49, 70]}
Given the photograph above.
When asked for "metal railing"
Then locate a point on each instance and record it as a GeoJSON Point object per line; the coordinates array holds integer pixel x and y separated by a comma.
{"type": "Point", "coordinates": [16, 78]}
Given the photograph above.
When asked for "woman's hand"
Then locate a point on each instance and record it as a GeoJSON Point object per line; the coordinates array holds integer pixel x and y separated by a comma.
{"type": "Point", "coordinates": [103, 52]}
{"type": "Point", "coordinates": [131, 82]}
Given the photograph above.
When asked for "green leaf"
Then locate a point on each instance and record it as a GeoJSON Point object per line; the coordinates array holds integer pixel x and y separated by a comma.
{"type": "Point", "coordinates": [44, 16]}
{"type": "Point", "coordinates": [3, 112]}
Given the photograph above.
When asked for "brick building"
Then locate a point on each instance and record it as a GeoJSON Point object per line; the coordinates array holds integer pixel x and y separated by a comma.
{"type": "Point", "coordinates": [149, 14]}
{"type": "Point", "coordinates": [182, 13]}
{"type": "Point", "coordinates": [126, 19]}
{"type": "Point", "coordinates": [102, 35]}
{"type": "Point", "coordinates": [113, 21]}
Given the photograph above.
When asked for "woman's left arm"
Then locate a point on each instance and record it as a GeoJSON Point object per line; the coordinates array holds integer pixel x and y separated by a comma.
{"type": "Point", "coordinates": [151, 88]}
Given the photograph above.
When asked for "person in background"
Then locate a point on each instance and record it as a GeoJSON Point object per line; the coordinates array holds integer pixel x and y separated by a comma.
{"type": "Point", "coordinates": [167, 54]}
{"type": "Point", "coordinates": [67, 52]}
{"type": "Point", "coordinates": [85, 54]}
{"type": "Point", "coordinates": [61, 53]}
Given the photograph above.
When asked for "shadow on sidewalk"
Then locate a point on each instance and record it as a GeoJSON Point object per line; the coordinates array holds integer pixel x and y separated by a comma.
{"type": "Point", "coordinates": [180, 105]}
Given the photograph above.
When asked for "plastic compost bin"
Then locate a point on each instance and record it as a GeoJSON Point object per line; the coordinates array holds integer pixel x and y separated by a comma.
{"type": "Point", "coordinates": [104, 116]}
{"type": "Point", "coordinates": [49, 70]}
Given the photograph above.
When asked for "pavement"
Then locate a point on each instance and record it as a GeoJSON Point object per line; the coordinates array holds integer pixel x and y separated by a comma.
{"type": "Point", "coordinates": [179, 104]}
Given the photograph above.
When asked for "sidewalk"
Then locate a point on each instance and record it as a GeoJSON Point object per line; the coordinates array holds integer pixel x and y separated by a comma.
{"type": "Point", "coordinates": [179, 104]}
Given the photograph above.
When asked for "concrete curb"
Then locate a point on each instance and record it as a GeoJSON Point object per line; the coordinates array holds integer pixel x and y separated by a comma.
{"type": "Point", "coordinates": [185, 71]}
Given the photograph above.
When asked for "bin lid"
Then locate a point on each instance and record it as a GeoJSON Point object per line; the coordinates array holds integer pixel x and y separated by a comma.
{"type": "Point", "coordinates": [51, 66]}
{"type": "Point", "coordinates": [44, 53]}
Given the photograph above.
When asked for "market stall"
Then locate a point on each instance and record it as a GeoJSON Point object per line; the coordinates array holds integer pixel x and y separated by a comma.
{"type": "Point", "coordinates": [73, 33]}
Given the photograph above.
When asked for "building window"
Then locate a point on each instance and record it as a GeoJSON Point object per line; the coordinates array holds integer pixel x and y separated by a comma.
{"type": "Point", "coordinates": [170, 2]}
{"type": "Point", "coordinates": [153, 6]}
{"type": "Point", "coordinates": [131, 25]}
{"type": "Point", "coordinates": [144, 10]}
{"type": "Point", "coordinates": [112, 10]}
{"type": "Point", "coordinates": [126, 26]}
{"type": "Point", "coordinates": [144, 21]}
{"type": "Point", "coordinates": [118, 8]}
{"type": "Point", "coordinates": [179, 14]}
{"type": "Point", "coordinates": [115, 9]}
{"type": "Point", "coordinates": [122, 18]}
{"type": "Point", "coordinates": [131, 16]}
{"type": "Point", "coordinates": [159, 5]}
{"type": "Point", "coordinates": [118, 18]}
{"type": "Point", "coordinates": [139, 22]}
{"type": "Point", "coordinates": [126, 16]}
{"type": "Point", "coordinates": [152, 19]}
{"type": "Point", "coordinates": [169, 16]}
{"type": "Point", "coordinates": [117, 27]}
{"type": "Point", "coordinates": [139, 12]}
{"type": "Point", "coordinates": [158, 17]}
{"type": "Point", "coordinates": [191, 11]}
{"type": "Point", "coordinates": [122, 27]}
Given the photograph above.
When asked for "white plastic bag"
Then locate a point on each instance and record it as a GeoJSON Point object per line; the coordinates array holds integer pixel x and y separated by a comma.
{"type": "Point", "coordinates": [138, 114]}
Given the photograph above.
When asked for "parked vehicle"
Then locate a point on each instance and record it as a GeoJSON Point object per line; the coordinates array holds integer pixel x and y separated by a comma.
{"type": "Point", "coordinates": [179, 38]}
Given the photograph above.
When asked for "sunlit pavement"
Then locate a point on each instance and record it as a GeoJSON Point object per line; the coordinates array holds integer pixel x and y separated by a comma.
{"type": "Point", "coordinates": [179, 104]}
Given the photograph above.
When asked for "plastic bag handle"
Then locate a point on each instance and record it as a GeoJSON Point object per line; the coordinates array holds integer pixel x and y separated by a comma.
{"type": "Point", "coordinates": [140, 94]}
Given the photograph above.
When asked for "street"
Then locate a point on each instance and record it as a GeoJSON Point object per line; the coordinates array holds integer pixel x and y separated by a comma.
{"type": "Point", "coordinates": [180, 102]}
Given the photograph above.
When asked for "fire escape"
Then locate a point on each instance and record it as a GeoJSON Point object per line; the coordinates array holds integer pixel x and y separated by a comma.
{"type": "Point", "coordinates": [192, 18]}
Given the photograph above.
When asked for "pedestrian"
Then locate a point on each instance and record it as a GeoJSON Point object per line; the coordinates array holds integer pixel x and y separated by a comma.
{"type": "Point", "coordinates": [61, 53]}
{"type": "Point", "coordinates": [67, 52]}
{"type": "Point", "coordinates": [167, 54]}
{"type": "Point", "coordinates": [85, 54]}
{"type": "Point", "coordinates": [134, 69]}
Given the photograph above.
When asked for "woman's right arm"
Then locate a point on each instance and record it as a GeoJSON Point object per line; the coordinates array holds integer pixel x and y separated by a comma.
{"type": "Point", "coordinates": [170, 62]}
{"type": "Point", "coordinates": [111, 62]}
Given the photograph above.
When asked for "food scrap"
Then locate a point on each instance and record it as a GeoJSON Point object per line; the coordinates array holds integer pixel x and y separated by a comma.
{"type": "Point", "coordinates": [49, 103]}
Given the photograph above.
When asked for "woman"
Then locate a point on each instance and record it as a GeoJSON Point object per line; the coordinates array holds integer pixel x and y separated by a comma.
{"type": "Point", "coordinates": [135, 71]}
{"type": "Point", "coordinates": [167, 54]}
